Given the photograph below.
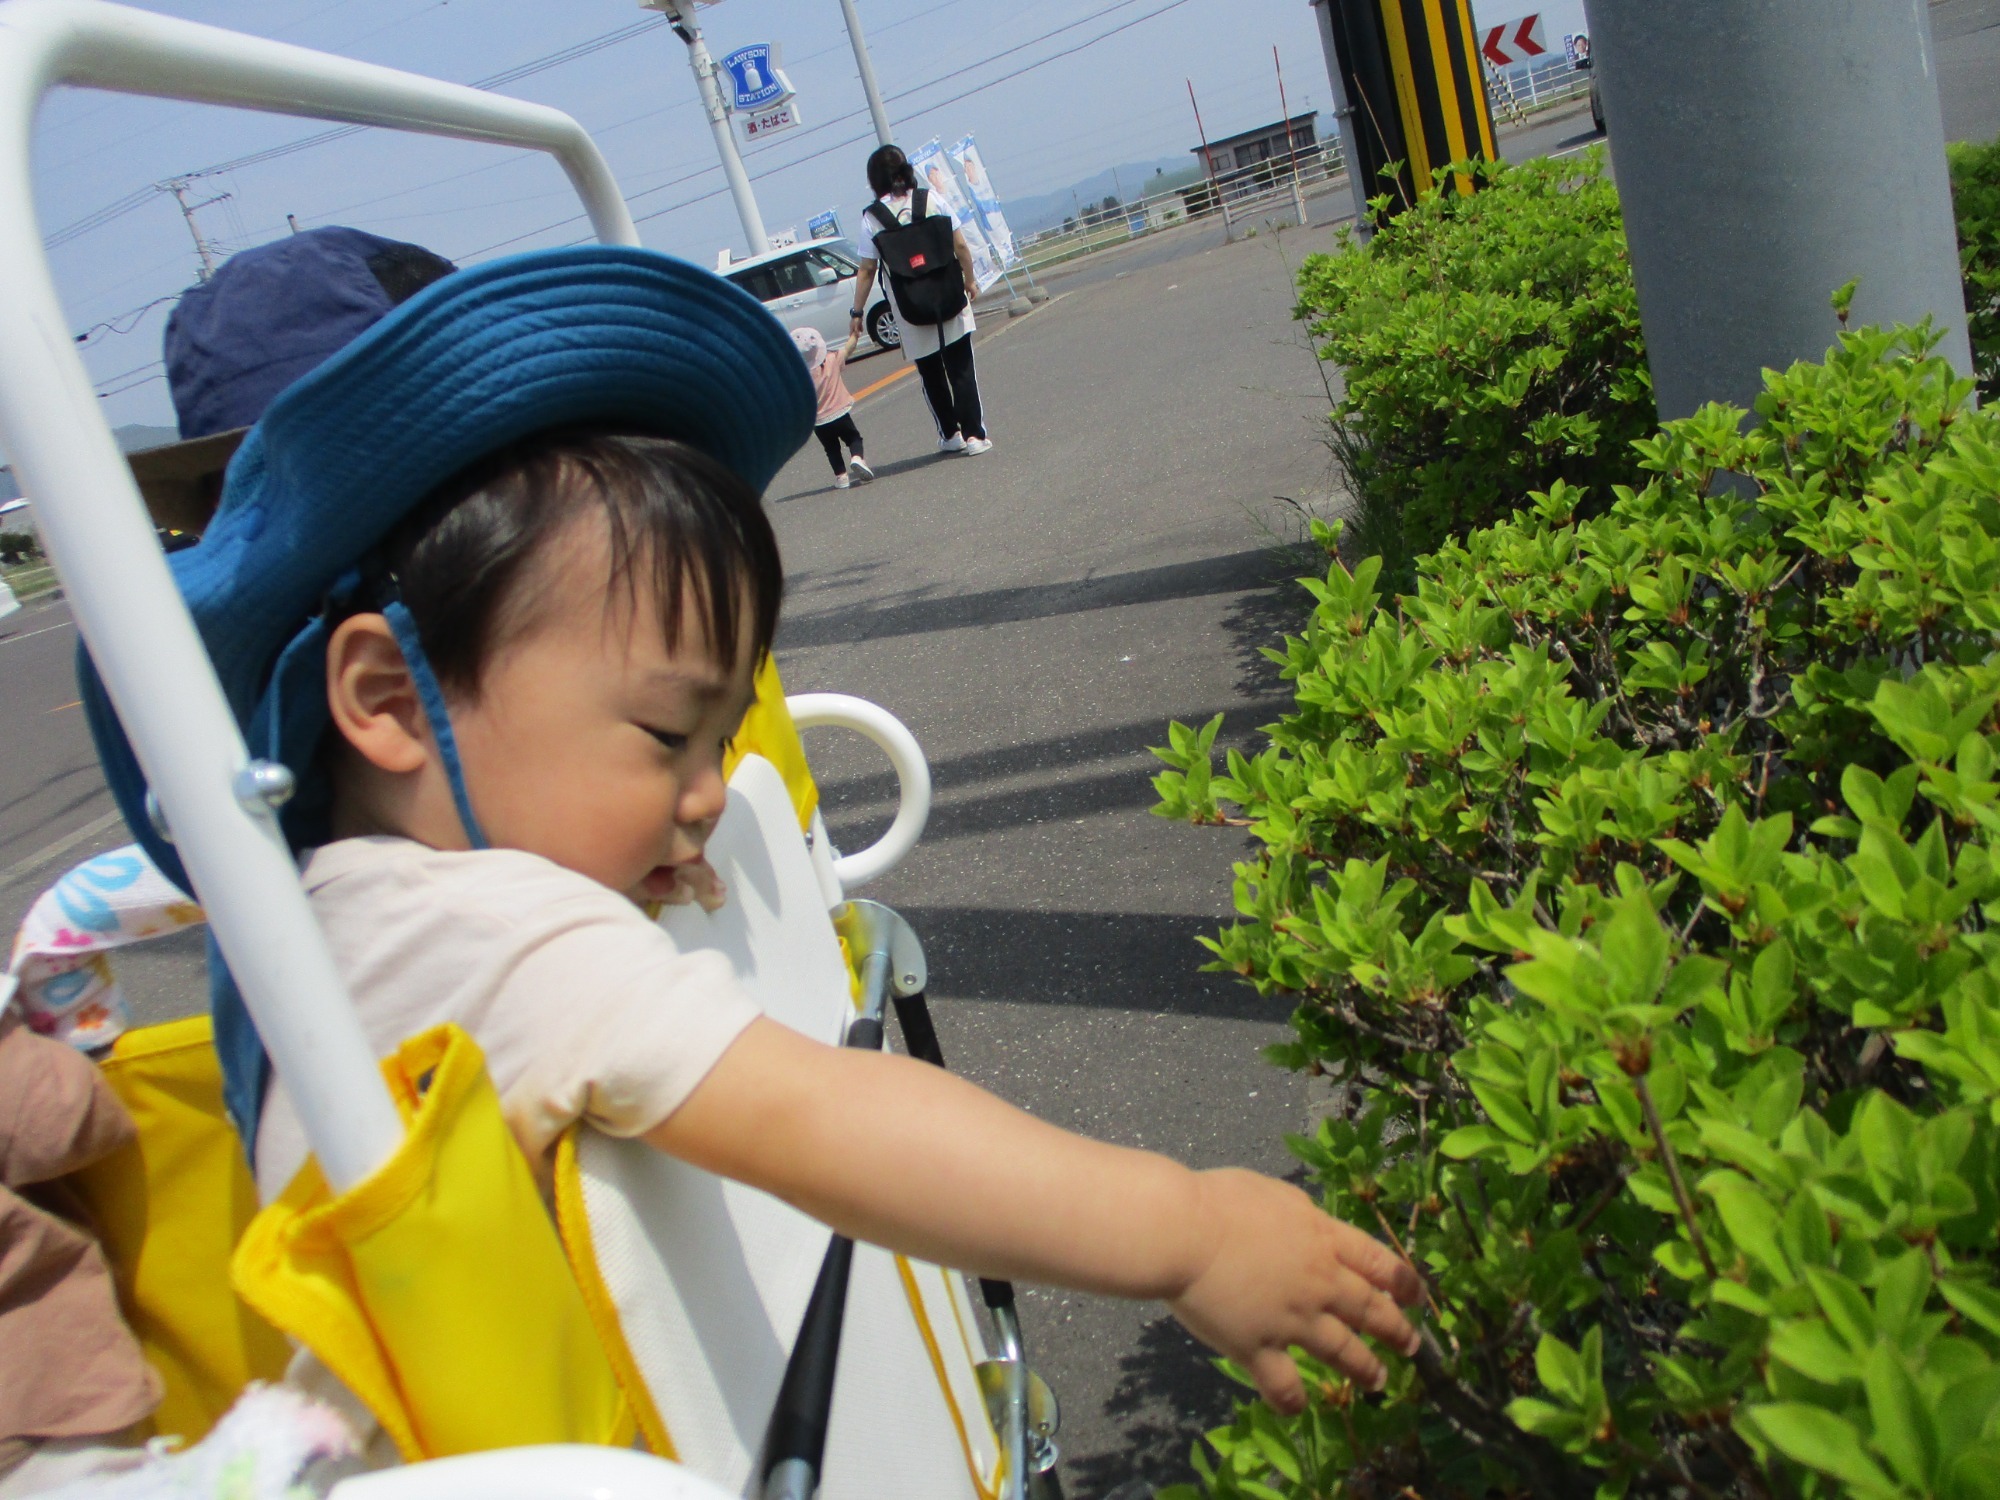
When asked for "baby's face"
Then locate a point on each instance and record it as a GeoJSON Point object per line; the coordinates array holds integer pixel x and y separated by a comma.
{"type": "Point", "coordinates": [593, 745]}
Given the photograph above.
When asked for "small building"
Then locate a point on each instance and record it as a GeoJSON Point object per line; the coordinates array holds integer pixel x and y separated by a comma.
{"type": "Point", "coordinates": [1251, 160]}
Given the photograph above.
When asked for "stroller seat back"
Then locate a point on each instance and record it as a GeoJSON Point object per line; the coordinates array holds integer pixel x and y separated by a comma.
{"type": "Point", "coordinates": [707, 1279]}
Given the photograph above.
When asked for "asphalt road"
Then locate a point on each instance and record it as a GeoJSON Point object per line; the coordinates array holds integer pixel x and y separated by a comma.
{"type": "Point", "coordinates": [1036, 615]}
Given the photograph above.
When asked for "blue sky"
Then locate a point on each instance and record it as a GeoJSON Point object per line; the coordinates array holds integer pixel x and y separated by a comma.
{"type": "Point", "coordinates": [1076, 106]}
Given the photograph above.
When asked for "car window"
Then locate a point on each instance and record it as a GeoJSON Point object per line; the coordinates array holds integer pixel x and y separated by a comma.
{"type": "Point", "coordinates": [759, 282]}
{"type": "Point", "coordinates": [793, 275]}
{"type": "Point", "coordinates": [829, 267]}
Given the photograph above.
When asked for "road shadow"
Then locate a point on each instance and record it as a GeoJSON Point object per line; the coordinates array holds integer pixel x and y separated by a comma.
{"type": "Point", "coordinates": [1260, 621]}
{"type": "Point", "coordinates": [1082, 960]}
{"type": "Point", "coordinates": [887, 469]}
{"type": "Point", "coordinates": [1168, 1394]}
{"type": "Point", "coordinates": [1063, 753]}
{"type": "Point", "coordinates": [1233, 573]}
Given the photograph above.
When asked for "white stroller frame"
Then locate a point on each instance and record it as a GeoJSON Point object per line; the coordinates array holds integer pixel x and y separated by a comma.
{"type": "Point", "coordinates": [219, 801]}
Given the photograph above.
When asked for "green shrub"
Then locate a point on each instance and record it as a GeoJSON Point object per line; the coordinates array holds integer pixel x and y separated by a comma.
{"type": "Point", "coordinates": [1975, 202]}
{"type": "Point", "coordinates": [1632, 874]}
{"type": "Point", "coordinates": [1490, 346]}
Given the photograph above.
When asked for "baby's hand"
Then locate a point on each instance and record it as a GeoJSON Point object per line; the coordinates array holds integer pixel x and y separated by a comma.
{"type": "Point", "coordinates": [1281, 1272]}
{"type": "Point", "coordinates": [697, 884]}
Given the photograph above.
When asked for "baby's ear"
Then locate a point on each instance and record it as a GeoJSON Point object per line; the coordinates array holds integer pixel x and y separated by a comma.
{"type": "Point", "coordinates": [372, 697]}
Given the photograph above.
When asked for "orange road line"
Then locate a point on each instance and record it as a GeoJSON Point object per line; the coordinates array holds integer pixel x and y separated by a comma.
{"type": "Point", "coordinates": [75, 703]}
{"type": "Point", "coordinates": [869, 390]}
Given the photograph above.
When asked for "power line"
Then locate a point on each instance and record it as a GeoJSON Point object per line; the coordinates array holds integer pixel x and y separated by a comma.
{"type": "Point", "coordinates": [152, 364]}
{"type": "Point", "coordinates": [139, 198]}
{"type": "Point", "coordinates": [857, 113]}
{"type": "Point", "coordinates": [118, 322]}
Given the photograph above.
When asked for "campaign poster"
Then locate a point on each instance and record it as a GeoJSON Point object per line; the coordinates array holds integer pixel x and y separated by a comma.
{"type": "Point", "coordinates": [985, 200]}
{"type": "Point", "coordinates": [933, 169]}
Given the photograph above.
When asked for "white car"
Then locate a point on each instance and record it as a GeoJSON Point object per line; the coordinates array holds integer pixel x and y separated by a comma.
{"type": "Point", "coordinates": [811, 286]}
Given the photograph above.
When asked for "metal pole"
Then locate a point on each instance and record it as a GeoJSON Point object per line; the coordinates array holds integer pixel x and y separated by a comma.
{"type": "Point", "coordinates": [679, 15]}
{"type": "Point", "coordinates": [876, 110]}
{"type": "Point", "coordinates": [1208, 161]}
{"type": "Point", "coordinates": [1343, 114]}
{"type": "Point", "coordinates": [1752, 186]}
{"type": "Point", "coordinates": [1291, 146]}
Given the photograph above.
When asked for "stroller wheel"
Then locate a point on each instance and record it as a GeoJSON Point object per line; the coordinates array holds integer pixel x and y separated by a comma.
{"type": "Point", "coordinates": [1045, 1486]}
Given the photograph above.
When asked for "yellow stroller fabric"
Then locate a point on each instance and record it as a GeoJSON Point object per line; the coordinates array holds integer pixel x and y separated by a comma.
{"type": "Point", "coordinates": [437, 1290]}
{"type": "Point", "coordinates": [768, 731]}
{"type": "Point", "coordinates": [169, 1209]}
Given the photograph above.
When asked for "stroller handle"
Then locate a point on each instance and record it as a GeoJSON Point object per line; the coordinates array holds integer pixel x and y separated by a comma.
{"type": "Point", "coordinates": [91, 517]}
{"type": "Point", "coordinates": [913, 778]}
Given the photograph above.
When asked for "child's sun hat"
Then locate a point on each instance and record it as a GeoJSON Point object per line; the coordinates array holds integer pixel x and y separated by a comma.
{"type": "Point", "coordinates": [811, 343]}
{"type": "Point", "coordinates": [623, 338]}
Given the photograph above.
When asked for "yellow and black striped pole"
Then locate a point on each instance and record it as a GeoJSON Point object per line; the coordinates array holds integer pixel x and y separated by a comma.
{"type": "Point", "coordinates": [1412, 89]}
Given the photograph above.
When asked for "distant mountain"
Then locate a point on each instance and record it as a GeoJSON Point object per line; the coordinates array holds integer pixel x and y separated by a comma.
{"type": "Point", "coordinates": [1127, 182]}
{"type": "Point", "coordinates": [130, 439]}
{"type": "Point", "coordinates": [137, 436]}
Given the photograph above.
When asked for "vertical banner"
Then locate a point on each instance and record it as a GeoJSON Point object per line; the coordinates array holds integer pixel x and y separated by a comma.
{"type": "Point", "coordinates": [933, 167]}
{"type": "Point", "coordinates": [966, 154]}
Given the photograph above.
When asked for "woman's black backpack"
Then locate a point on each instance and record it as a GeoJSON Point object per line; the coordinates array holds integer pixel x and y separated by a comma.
{"type": "Point", "coordinates": [921, 261]}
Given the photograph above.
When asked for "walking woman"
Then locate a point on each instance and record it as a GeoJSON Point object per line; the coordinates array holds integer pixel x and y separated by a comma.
{"type": "Point", "coordinates": [942, 350]}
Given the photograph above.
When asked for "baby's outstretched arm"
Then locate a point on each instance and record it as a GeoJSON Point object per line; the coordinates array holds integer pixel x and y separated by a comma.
{"type": "Point", "coordinates": [906, 1155]}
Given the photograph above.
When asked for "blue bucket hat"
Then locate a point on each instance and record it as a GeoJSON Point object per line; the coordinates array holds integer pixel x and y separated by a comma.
{"type": "Point", "coordinates": [609, 336]}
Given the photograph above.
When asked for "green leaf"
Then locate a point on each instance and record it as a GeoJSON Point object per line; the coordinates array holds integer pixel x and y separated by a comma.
{"type": "Point", "coordinates": [1557, 1424]}
{"type": "Point", "coordinates": [1813, 1349]}
{"type": "Point", "coordinates": [1976, 1304]}
{"type": "Point", "coordinates": [1751, 1221]}
{"type": "Point", "coordinates": [1561, 1370]}
{"type": "Point", "coordinates": [1846, 1309]}
{"type": "Point", "coordinates": [1817, 1439]}
{"type": "Point", "coordinates": [1904, 1433]}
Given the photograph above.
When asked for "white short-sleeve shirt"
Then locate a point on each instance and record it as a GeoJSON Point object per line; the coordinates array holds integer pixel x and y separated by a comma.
{"type": "Point", "coordinates": [919, 339]}
{"type": "Point", "coordinates": [585, 1008]}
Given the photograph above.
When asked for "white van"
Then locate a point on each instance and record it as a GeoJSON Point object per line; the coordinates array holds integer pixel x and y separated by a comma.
{"type": "Point", "coordinates": [810, 286]}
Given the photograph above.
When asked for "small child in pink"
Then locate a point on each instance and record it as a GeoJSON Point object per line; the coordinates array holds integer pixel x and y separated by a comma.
{"type": "Point", "coordinates": [834, 424]}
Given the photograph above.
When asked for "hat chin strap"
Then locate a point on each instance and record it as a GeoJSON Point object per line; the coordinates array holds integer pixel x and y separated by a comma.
{"type": "Point", "coordinates": [431, 696]}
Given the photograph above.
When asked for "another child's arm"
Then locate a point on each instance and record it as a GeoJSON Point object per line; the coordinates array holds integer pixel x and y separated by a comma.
{"type": "Point", "coordinates": [906, 1155]}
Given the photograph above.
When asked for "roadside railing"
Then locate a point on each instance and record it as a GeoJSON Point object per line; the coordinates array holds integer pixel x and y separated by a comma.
{"type": "Point", "coordinates": [1247, 195]}
{"type": "Point", "coordinates": [1518, 92]}
{"type": "Point", "coordinates": [1276, 189]}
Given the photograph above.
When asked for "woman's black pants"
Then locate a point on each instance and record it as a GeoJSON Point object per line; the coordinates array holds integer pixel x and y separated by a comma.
{"type": "Point", "coordinates": [952, 390]}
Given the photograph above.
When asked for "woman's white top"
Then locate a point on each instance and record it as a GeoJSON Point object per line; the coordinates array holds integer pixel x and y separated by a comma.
{"type": "Point", "coordinates": [920, 340]}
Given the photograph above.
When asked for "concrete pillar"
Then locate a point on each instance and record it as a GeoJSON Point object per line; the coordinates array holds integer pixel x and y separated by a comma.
{"type": "Point", "coordinates": [1766, 151]}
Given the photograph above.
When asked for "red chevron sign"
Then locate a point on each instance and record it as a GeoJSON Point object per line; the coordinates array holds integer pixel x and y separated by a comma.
{"type": "Point", "coordinates": [1516, 42]}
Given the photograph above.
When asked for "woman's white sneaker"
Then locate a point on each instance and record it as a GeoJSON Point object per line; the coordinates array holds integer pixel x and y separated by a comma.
{"type": "Point", "coordinates": [953, 444]}
{"type": "Point", "coordinates": [976, 446]}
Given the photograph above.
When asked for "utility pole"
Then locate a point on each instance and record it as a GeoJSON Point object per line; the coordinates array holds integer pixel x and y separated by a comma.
{"type": "Point", "coordinates": [680, 16]}
{"type": "Point", "coordinates": [1766, 155]}
{"type": "Point", "coordinates": [876, 110]}
{"type": "Point", "coordinates": [179, 188]}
